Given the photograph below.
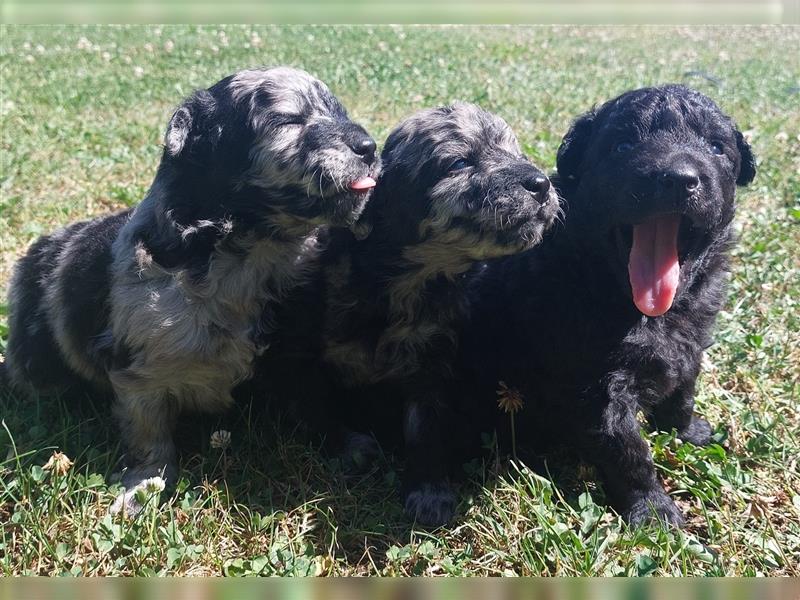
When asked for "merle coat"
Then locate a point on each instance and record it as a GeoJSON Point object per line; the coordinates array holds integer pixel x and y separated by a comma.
{"type": "Point", "coordinates": [161, 307]}
{"type": "Point", "coordinates": [454, 189]}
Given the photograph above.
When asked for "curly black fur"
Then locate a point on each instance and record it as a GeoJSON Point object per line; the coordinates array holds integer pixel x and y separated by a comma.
{"type": "Point", "coordinates": [559, 322]}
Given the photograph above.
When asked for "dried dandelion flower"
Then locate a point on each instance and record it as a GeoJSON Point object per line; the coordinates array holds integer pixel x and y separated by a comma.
{"type": "Point", "coordinates": [509, 399]}
{"type": "Point", "coordinates": [221, 439]}
{"type": "Point", "coordinates": [59, 463]}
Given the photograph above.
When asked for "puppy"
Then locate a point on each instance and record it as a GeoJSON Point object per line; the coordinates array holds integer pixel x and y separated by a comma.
{"type": "Point", "coordinates": [454, 189]}
{"type": "Point", "coordinates": [611, 314]}
{"type": "Point", "coordinates": [162, 305]}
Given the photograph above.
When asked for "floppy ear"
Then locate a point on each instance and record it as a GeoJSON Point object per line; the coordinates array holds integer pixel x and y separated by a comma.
{"type": "Point", "coordinates": [747, 168]}
{"type": "Point", "coordinates": [573, 146]}
{"type": "Point", "coordinates": [173, 245]}
{"type": "Point", "coordinates": [191, 132]}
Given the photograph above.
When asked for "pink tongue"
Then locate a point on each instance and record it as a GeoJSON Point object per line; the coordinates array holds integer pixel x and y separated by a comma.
{"type": "Point", "coordinates": [362, 184]}
{"type": "Point", "coordinates": [653, 266]}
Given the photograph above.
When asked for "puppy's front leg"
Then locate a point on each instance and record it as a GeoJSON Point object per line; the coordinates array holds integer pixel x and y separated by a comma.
{"type": "Point", "coordinates": [147, 423]}
{"type": "Point", "coordinates": [611, 439]}
{"type": "Point", "coordinates": [677, 411]}
{"type": "Point", "coordinates": [427, 494]}
{"type": "Point", "coordinates": [316, 399]}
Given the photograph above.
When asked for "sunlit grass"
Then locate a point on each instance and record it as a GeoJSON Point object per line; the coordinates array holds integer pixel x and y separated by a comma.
{"type": "Point", "coordinates": [82, 113]}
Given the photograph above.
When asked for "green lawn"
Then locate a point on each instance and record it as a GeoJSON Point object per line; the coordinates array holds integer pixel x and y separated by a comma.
{"type": "Point", "coordinates": [83, 112]}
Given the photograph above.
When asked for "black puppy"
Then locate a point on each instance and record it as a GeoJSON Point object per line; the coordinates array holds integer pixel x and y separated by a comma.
{"type": "Point", "coordinates": [455, 189]}
{"type": "Point", "coordinates": [612, 312]}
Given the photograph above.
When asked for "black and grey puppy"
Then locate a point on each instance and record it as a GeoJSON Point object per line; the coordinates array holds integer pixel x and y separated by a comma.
{"type": "Point", "coordinates": [611, 314]}
{"type": "Point", "coordinates": [161, 304]}
{"type": "Point", "coordinates": [454, 189]}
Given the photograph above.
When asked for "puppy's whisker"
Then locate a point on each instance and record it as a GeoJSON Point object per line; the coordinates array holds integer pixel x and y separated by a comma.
{"type": "Point", "coordinates": [310, 181]}
{"type": "Point", "coordinates": [336, 183]}
{"type": "Point", "coordinates": [319, 175]}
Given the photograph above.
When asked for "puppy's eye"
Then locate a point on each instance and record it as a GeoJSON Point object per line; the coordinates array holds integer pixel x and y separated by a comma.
{"type": "Point", "coordinates": [461, 163]}
{"type": "Point", "coordinates": [717, 148]}
{"type": "Point", "coordinates": [292, 120]}
{"type": "Point", "coordinates": [623, 147]}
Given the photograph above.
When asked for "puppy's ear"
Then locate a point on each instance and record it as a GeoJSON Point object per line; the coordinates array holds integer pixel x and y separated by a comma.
{"type": "Point", "coordinates": [573, 146]}
{"type": "Point", "coordinates": [191, 132]}
{"type": "Point", "coordinates": [747, 168]}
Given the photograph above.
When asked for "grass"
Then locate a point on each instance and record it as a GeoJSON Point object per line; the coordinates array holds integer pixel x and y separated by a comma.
{"type": "Point", "coordinates": [83, 110]}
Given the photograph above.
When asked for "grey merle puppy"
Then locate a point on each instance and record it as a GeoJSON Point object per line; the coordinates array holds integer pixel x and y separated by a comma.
{"type": "Point", "coordinates": [162, 305]}
{"type": "Point", "coordinates": [454, 189]}
{"type": "Point", "coordinates": [611, 314]}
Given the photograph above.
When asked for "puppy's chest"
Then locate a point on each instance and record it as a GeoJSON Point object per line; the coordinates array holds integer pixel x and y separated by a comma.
{"type": "Point", "coordinates": [368, 339]}
{"type": "Point", "coordinates": [659, 355]}
{"type": "Point", "coordinates": [210, 322]}
{"type": "Point", "coordinates": [574, 351]}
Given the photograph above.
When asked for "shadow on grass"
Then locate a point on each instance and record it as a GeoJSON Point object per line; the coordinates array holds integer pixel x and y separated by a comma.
{"type": "Point", "coordinates": [272, 503]}
{"type": "Point", "coordinates": [270, 469]}
{"type": "Point", "coordinates": [270, 466]}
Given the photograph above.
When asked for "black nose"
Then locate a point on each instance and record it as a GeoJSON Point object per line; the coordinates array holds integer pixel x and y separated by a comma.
{"type": "Point", "coordinates": [538, 184]}
{"type": "Point", "coordinates": [364, 147]}
{"type": "Point", "coordinates": [683, 179]}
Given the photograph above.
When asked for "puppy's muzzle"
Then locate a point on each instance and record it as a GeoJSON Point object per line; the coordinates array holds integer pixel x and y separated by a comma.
{"type": "Point", "coordinates": [674, 185]}
{"type": "Point", "coordinates": [360, 142]}
{"type": "Point", "coordinates": [533, 197]}
{"type": "Point", "coordinates": [365, 148]}
{"type": "Point", "coordinates": [538, 185]}
{"type": "Point", "coordinates": [680, 181]}
{"type": "Point", "coordinates": [527, 185]}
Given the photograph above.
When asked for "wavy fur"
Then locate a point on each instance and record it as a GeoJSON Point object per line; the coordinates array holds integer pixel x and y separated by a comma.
{"type": "Point", "coordinates": [163, 305]}
{"type": "Point", "coordinates": [559, 324]}
{"type": "Point", "coordinates": [455, 189]}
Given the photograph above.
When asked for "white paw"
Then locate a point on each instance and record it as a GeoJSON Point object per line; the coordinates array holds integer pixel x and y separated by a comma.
{"type": "Point", "coordinates": [137, 496]}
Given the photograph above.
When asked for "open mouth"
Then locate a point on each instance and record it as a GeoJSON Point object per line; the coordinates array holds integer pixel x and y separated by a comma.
{"type": "Point", "coordinates": [655, 250]}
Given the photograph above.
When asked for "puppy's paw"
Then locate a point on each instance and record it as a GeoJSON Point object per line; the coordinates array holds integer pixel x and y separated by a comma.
{"type": "Point", "coordinates": [136, 496]}
{"type": "Point", "coordinates": [431, 504]}
{"type": "Point", "coordinates": [126, 504]}
{"type": "Point", "coordinates": [358, 453]}
{"type": "Point", "coordinates": [654, 506]}
{"type": "Point", "coordinates": [697, 432]}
